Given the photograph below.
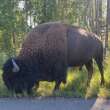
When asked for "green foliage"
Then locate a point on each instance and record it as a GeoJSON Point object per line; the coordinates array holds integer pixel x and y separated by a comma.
{"type": "Point", "coordinates": [16, 21]}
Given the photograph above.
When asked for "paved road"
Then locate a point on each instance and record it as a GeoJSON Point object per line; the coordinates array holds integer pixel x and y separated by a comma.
{"type": "Point", "coordinates": [53, 104]}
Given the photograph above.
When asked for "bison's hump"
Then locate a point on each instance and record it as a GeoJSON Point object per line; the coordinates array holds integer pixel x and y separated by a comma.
{"type": "Point", "coordinates": [49, 39]}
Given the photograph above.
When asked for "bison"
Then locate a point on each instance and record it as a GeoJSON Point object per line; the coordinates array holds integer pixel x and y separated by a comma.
{"type": "Point", "coordinates": [46, 53]}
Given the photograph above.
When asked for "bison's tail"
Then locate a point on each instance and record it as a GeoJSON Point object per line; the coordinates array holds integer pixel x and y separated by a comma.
{"type": "Point", "coordinates": [99, 52]}
{"type": "Point", "coordinates": [99, 61]}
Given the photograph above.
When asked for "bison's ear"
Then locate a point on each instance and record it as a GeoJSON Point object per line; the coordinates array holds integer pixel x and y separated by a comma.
{"type": "Point", "coordinates": [15, 66]}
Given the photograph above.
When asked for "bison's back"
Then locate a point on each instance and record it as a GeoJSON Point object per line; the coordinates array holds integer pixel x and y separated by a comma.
{"type": "Point", "coordinates": [82, 46]}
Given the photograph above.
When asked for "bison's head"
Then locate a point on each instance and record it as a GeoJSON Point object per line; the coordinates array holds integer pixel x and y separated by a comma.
{"type": "Point", "coordinates": [19, 75]}
{"type": "Point", "coordinates": [11, 67]}
{"type": "Point", "coordinates": [12, 75]}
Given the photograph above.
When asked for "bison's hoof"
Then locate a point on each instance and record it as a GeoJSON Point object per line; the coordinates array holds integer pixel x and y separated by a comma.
{"type": "Point", "coordinates": [17, 96]}
{"type": "Point", "coordinates": [56, 93]}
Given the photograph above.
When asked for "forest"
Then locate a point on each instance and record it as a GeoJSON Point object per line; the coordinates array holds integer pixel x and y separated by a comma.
{"type": "Point", "coordinates": [18, 17]}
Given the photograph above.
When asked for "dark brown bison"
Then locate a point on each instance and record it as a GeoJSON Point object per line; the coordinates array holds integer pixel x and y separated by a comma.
{"type": "Point", "coordinates": [48, 50]}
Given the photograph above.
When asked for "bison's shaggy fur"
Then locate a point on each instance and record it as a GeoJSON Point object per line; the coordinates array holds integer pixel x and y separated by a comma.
{"type": "Point", "coordinates": [20, 81]}
{"type": "Point", "coordinates": [46, 53]}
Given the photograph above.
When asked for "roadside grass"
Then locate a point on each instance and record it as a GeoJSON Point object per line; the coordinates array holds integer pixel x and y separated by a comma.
{"type": "Point", "coordinates": [3, 90]}
{"type": "Point", "coordinates": [75, 86]}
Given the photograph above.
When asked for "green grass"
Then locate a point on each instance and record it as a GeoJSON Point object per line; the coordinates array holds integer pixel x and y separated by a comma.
{"type": "Point", "coordinates": [3, 90]}
{"type": "Point", "coordinates": [75, 86]}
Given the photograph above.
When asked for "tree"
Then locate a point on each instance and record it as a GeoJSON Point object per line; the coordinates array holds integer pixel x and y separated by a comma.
{"type": "Point", "coordinates": [17, 17]}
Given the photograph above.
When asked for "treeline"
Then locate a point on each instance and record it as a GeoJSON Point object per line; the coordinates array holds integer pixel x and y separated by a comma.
{"type": "Point", "coordinates": [17, 17]}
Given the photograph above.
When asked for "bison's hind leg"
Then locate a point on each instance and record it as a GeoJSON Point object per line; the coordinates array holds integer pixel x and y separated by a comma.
{"type": "Point", "coordinates": [89, 67]}
{"type": "Point", "coordinates": [99, 62]}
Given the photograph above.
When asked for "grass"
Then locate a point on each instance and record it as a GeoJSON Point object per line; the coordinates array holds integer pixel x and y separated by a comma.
{"type": "Point", "coordinates": [3, 90]}
{"type": "Point", "coordinates": [75, 86]}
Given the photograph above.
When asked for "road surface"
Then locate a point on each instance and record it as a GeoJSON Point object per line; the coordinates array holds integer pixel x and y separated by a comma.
{"type": "Point", "coordinates": [53, 104]}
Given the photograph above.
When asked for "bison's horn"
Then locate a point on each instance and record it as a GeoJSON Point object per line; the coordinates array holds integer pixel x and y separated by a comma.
{"type": "Point", "coordinates": [15, 66]}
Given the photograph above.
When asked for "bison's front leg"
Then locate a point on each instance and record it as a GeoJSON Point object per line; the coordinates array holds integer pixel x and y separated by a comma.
{"type": "Point", "coordinates": [57, 85]}
{"type": "Point", "coordinates": [80, 68]}
{"type": "Point", "coordinates": [29, 91]}
{"type": "Point", "coordinates": [89, 67]}
{"type": "Point", "coordinates": [30, 88]}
